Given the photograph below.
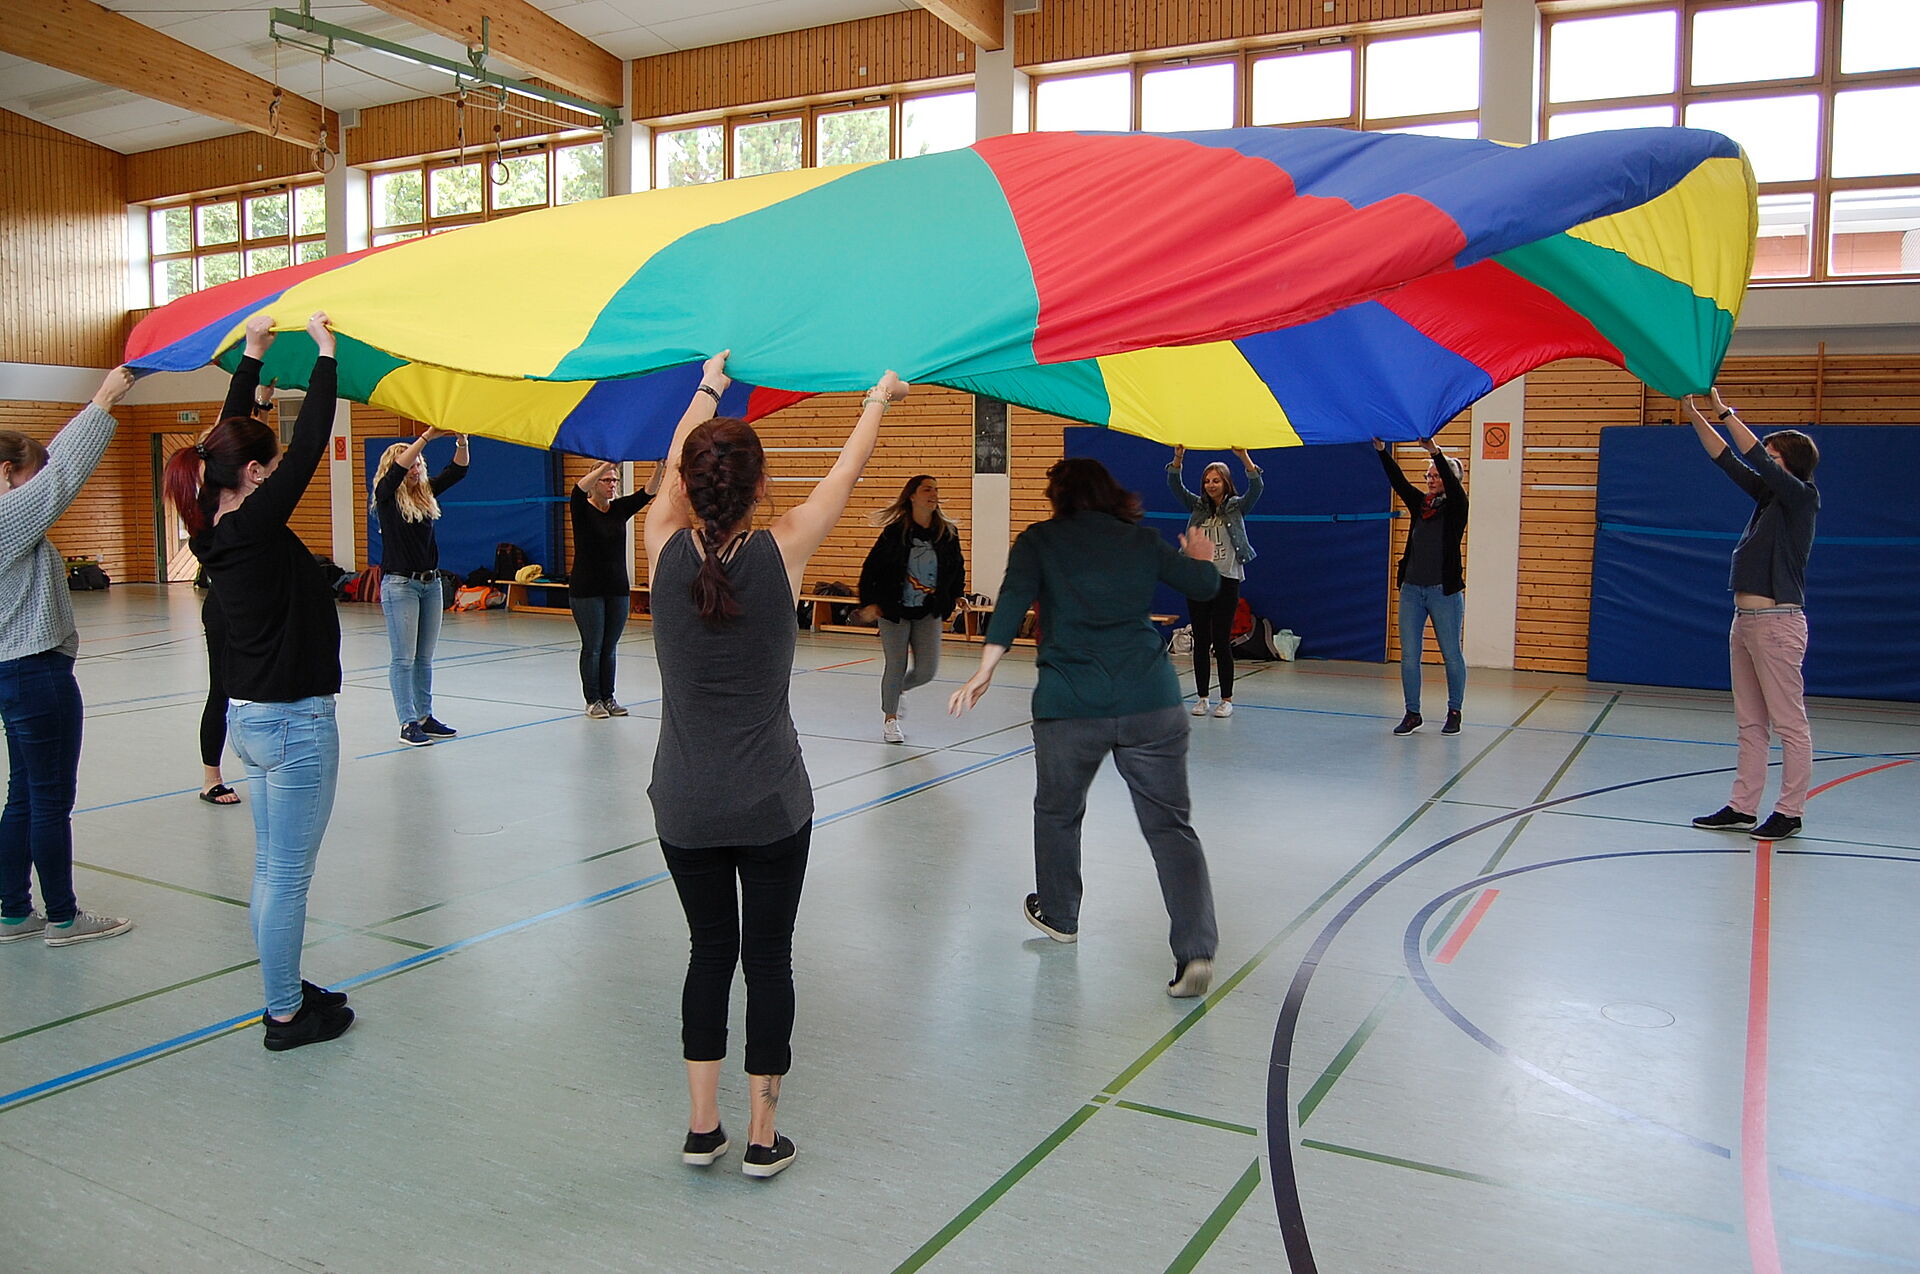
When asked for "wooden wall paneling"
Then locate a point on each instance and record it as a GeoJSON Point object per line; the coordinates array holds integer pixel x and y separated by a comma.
{"type": "Point", "coordinates": [62, 208]}
{"type": "Point", "coordinates": [215, 164]}
{"type": "Point", "coordinates": [1064, 30]}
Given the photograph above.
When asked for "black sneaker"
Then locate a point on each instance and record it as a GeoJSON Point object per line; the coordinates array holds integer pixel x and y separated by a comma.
{"type": "Point", "coordinates": [311, 1025]}
{"type": "Point", "coordinates": [702, 1148]}
{"type": "Point", "coordinates": [1725, 819]}
{"type": "Point", "coordinates": [1777, 827]}
{"type": "Point", "coordinates": [1408, 724]}
{"type": "Point", "coordinates": [434, 728]}
{"type": "Point", "coordinates": [311, 994]}
{"type": "Point", "coordinates": [413, 736]}
{"type": "Point", "coordinates": [1039, 921]}
{"type": "Point", "coordinates": [1453, 722]}
{"type": "Point", "coordinates": [768, 1161]}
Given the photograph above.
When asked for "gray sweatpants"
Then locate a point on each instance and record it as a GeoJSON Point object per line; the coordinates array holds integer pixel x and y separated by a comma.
{"type": "Point", "coordinates": [1150, 751]}
{"type": "Point", "coordinates": [896, 635]}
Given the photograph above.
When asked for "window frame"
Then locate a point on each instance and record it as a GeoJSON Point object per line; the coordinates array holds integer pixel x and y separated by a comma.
{"type": "Point", "coordinates": [548, 148]}
{"type": "Point", "coordinates": [242, 246]}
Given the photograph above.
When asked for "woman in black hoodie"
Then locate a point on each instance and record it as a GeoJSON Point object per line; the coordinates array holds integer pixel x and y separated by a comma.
{"type": "Point", "coordinates": [913, 575]}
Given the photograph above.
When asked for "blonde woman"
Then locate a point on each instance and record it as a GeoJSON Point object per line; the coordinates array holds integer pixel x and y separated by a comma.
{"type": "Point", "coordinates": [406, 500]}
{"type": "Point", "coordinates": [912, 577]}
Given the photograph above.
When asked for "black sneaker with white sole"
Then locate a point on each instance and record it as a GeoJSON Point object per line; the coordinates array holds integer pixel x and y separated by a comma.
{"type": "Point", "coordinates": [1777, 827]}
{"type": "Point", "coordinates": [1408, 724]}
{"type": "Point", "coordinates": [768, 1161]}
{"type": "Point", "coordinates": [1725, 819]}
{"type": "Point", "coordinates": [1038, 920]}
{"type": "Point", "coordinates": [434, 728]}
{"type": "Point", "coordinates": [702, 1148]}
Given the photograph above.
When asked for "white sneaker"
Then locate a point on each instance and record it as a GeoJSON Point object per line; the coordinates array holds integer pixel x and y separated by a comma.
{"type": "Point", "coordinates": [1225, 709]}
{"type": "Point", "coordinates": [891, 731]}
{"type": "Point", "coordinates": [1200, 707]}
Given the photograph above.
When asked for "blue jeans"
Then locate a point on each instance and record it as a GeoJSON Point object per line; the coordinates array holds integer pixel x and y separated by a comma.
{"type": "Point", "coordinates": [412, 607]}
{"type": "Point", "coordinates": [1449, 614]}
{"type": "Point", "coordinates": [292, 755]}
{"type": "Point", "coordinates": [40, 703]}
{"type": "Point", "coordinates": [600, 620]}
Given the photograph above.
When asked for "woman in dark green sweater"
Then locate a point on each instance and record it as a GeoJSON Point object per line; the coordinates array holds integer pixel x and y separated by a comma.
{"type": "Point", "coordinates": [1106, 687]}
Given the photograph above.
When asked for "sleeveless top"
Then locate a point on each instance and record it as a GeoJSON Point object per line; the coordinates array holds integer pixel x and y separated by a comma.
{"type": "Point", "coordinates": [727, 770]}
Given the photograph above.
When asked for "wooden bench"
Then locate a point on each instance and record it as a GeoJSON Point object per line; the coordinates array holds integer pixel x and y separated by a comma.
{"type": "Point", "coordinates": [973, 619]}
{"type": "Point", "coordinates": [520, 597]}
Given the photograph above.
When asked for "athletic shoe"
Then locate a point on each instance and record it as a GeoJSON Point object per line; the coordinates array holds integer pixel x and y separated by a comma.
{"type": "Point", "coordinates": [1225, 709]}
{"type": "Point", "coordinates": [891, 732]}
{"type": "Point", "coordinates": [85, 927]}
{"type": "Point", "coordinates": [1408, 724]}
{"type": "Point", "coordinates": [1191, 979]}
{"type": "Point", "coordinates": [436, 729]}
{"type": "Point", "coordinates": [1777, 827]}
{"type": "Point", "coordinates": [613, 709]}
{"type": "Point", "coordinates": [768, 1161]}
{"type": "Point", "coordinates": [702, 1148]}
{"type": "Point", "coordinates": [1453, 722]}
{"type": "Point", "coordinates": [1039, 921]}
{"type": "Point", "coordinates": [311, 994]}
{"type": "Point", "coordinates": [1200, 707]}
{"type": "Point", "coordinates": [598, 710]}
{"type": "Point", "coordinates": [1725, 819]}
{"type": "Point", "coordinates": [313, 1024]}
{"type": "Point", "coordinates": [413, 736]}
{"type": "Point", "coordinates": [31, 925]}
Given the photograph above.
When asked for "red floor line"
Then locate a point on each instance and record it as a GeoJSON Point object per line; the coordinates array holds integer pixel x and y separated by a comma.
{"type": "Point", "coordinates": [1465, 931]}
{"type": "Point", "coordinates": [850, 663]}
{"type": "Point", "coordinates": [1845, 778]}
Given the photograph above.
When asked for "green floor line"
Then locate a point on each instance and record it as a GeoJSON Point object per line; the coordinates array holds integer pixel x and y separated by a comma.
{"type": "Point", "coordinates": [1546, 1192]}
{"type": "Point", "coordinates": [1183, 1117]}
{"type": "Point", "coordinates": [138, 879]}
{"type": "Point", "coordinates": [1586, 737]}
{"type": "Point", "coordinates": [121, 1004]}
{"type": "Point", "coordinates": [1349, 1051]}
{"type": "Point", "coordinates": [1453, 914]}
{"type": "Point", "coordinates": [1217, 1221]}
{"type": "Point", "coordinates": [1506, 843]}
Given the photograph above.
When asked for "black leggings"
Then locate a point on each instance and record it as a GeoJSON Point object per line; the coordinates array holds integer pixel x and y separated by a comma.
{"type": "Point", "coordinates": [756, 929]}
{"type": "Point", "coordinates": [1213, 631]}
{"type": "Point", "coordinates": [213, 717]}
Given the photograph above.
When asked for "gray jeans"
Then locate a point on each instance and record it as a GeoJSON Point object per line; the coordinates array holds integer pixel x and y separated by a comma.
{"type": "Point", "coordinates": [1150, 751]}
{"type": "Point", "coordinates": [896, 635]}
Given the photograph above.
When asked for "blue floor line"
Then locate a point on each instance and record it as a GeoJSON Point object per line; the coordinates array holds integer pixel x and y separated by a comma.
{"type": "Point", "coordinates": [477, 734]}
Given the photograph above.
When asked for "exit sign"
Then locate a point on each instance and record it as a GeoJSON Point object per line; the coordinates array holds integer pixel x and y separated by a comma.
{"type": "Point", "coordinates": [189, 417]}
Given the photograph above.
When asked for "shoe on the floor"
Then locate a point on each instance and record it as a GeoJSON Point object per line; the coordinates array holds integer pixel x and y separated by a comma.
{"type": "Point", "coordinates": [1038, 920]}
{"type": "Point", "coordinates": [702, 1148]}
{"type": "Point", "coordinates": [31, 925]}
{"type": "Point", "coordinates": [434, 728]}
{"type": "Point", "coordinates": [413, 736]}
{"type": "Point", "coordinates": [218, 794]}
{"type": "Point", "coordinates": [1191, 979]}
{"type": "Point", "coordinates": [891, 731]}
{"type": "Point", "coordinates": [1453, 722]}
{"type": "Point", "coordinates": [313, 1024]}
{"type": "Point", "coordinates": [613, 708]}
{"type": "Point", "coordinates": [1725, 819]}
{"type": "Point", "coordinates": [1408, 724]}
{"type": "Point", "coordinates": [598, 710]}
{"type": "Point", "coordinates": [1225, 709]}
{"type": "Point", "coordinates": [768, 1161]}
{"type": "Point", "coordinates": [85, 927]}
{"type": "Point", "coordinates": [1200, 707]}
{"type": "Point", "coordinates": [1777, 827]}
{"type": "Point", "coordinates": [311, 994]}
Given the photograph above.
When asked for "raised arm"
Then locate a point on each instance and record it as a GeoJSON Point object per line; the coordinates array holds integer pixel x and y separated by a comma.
{"type": "Point", "coordinates": [274, 500]}
{"type": "Point", "coordinates": [802, 529]}
{"type": "Point", "coordinates": [29, 510]}
{"type": "Point", "coordinates": [1716, 447]}
{"type": "Point", "coordinates": [462, 461]}
{"type": "Point", "coordinates": [1256, 483]}
{"type": "Point", "coordinates": [591, 478]}
{"type": "Point", "coordinates": [1404, 489]}
{"type": "Point", "coordinates": [1449, 480]}
{"type": "Point", "coordinates": [1177, 484]}
{"type": "Point", "coordinates": [246, 377]}
{"type": "Point", "coordinates": [664, 517]}
{"type": "Point", "coordinates": [384, 489]}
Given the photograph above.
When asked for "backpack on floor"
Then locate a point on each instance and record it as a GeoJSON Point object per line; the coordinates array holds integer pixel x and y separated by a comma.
{"type": "Point", "coordinates": [1258, 644]}
{"type": "Point", "coordinates": [84, 577]}
{"type": "Point", "coordinates": [508, 559]}
{"type": "Point", "coordinates": [1242, 620]}
{"type": "Point", "coordinates": [472, 597]}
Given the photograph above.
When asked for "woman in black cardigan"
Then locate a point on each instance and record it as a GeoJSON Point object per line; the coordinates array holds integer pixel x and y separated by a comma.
{"type": "Point", "coordinates": [913, 575]}
{"type": "Point", "coordinates": [1431, 580]}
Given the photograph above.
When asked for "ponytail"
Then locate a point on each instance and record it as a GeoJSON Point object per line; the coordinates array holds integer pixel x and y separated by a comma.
{"type": "Point", "coordinates": [721, 463]}
{"type": "Point", "coordinates": [195, 476]}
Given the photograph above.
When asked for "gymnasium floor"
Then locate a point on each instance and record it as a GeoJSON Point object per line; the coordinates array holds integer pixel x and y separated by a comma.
{"type": "Point", "coordinates": [1484, 1003]}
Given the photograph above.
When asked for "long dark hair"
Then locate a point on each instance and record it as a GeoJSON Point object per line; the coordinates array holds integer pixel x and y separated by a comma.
{"type": "Point", "coordinates": [25, 454]}
{"type": "Point", "coordinates": [1081, 484]}
{"type": "Point", "coordinates": [721, 463]}
{"type": "Point", "coordinates": [901, 510]}
{"type": "Point", "coordinates": [195, 476]}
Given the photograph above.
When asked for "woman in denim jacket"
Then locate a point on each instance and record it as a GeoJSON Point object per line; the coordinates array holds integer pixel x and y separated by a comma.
{"type": "Point", "coordinates": [1219, 510]}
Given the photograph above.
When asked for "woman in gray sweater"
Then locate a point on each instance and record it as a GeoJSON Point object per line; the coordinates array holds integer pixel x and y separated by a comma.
{"type": "Point", "coordinates": [39, 697]}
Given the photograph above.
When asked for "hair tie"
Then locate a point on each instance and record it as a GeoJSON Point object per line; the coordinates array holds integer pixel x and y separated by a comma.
{"type": "Point", "coordinates": [200, 449]}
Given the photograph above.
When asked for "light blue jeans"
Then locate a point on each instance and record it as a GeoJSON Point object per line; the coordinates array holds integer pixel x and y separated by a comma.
{"type": "Point", "coordinates": [1417, 603]}
{"type": "Point", "coordinates": [292, 755]}
{"type": "Point", "coordinates": [412, 607]}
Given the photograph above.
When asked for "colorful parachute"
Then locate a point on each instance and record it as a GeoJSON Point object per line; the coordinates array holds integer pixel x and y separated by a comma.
{"type": "Point", "coordinates": [1250, 287]}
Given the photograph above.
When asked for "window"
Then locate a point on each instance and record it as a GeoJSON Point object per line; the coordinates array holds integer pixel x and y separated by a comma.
{"type": "Point", "coordinates": [1297, 88]}
{"type": "Point", "coordinates": [864, 130]}
{"type": "Point", "coordinates": [1084, 103]}
{"type": "Point", "coordinates": [689, 156]}
{"type": "Point", "coordinates": [444, 194]}
{"type": "Point", "coordinates": [1184, 99]}
{"type": "Point", "coordinates": [219, 238]}
{"type": "Point", "coordinates": [1423, 75]}
{"type": "Point", "coordinates": [862, 135]}
{"type": "Point", "coordinates": [1828, 130]}
{"type": "Point", "coordinates": [936, 122]}
{"type": "Point", "coordinates": [767, 146]}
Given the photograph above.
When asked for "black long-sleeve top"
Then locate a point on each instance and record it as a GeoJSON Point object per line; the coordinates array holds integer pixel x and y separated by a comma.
{"type": "Point", "coordinates": [408, 548]}
{"type": "Point", "coordinates": [600, 544]}
{"type": "Point", "coordinates": [1771, 558]}
{"type": "Point", "coordinates": [884, 572]}
{"type": "Point", "coordinates": [283, 632]}
{"type": "Point", "coordinates": [1451, 516]}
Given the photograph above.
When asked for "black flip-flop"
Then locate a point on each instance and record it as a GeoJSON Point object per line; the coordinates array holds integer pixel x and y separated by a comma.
{"type": "Point", "coordinates": [213, 794]}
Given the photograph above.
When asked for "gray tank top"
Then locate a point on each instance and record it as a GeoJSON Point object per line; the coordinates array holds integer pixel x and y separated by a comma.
{"type": "Point", "coordinates": [727, 770]}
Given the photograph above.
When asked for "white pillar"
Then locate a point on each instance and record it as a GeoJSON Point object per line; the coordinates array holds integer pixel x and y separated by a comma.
{"type": "Point", "coordinates": [628, 145]}
{"type": "Point", "coordinates": [999, 107]}
{"type": "Point", "coordinates": [348, 230]}
{"type": "Point", "coordinates": [1509, 68]}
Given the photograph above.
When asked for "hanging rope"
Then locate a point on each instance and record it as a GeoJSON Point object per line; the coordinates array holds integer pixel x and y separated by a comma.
{"type": "Point", "coordinates": [497, 171]}
{"type": "Point", "coordinates": [324, 157]}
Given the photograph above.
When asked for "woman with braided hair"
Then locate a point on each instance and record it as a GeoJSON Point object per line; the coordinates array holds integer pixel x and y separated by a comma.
{"type": "Point", "coordinates": [731, 796]}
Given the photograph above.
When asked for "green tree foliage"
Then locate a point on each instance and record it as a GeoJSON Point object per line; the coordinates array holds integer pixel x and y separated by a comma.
{"type": "Point", "coordinates": [267, 215]}
{"type": "Point", "coordinates": [221, 267]}
{"type": "Point", "coordinates": [220, 223]}
{"type": "Point", "coordinates": [692, 156]}
{"type": "Point", "coordinates": [310, 210]}
{"type": "Point", "coordinates": [456, 190]}
{"type": "Point", "coordinates": [771, 146]}
{"type": "Point", "coordinates": [581, 172]}
{"type": "Point", "coordinates": [396, 198]}
{"type": "Point", "coordinates": [854, 137]}
{"type": "Point", "coordinates": [525, 185]}
{"type": "Point", "coordinates": [173, 230]}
